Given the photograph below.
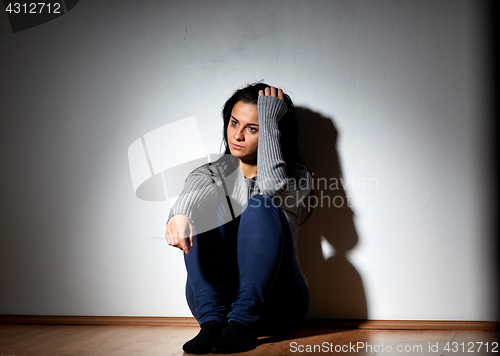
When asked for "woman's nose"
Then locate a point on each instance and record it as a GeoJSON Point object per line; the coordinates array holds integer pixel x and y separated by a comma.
{"type": "Point", "coordinates": [238, 135]}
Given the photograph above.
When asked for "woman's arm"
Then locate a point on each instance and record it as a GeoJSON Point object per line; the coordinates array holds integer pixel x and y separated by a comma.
{"type": "Point", "coordinates": [271, 167]}
{"type": "Point", "coordinates": [198, 193]}
{"type": "Point", "coordinates": [274, 178]}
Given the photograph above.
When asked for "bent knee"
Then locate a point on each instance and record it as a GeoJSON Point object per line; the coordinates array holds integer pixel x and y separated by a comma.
{"type": "Point", "coordinates": [260, 204]}
{"type": "Point", "coordinates": [261, 201]}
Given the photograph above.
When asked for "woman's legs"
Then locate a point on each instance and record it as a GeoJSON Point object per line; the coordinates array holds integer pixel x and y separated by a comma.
{"type": "Point", "coordinates": [212, 270]}
{"type": "Point", "coordinates": [271, 291]}
{"type": "Point", "coordinates": [251, 265]}
{"type": "Point", "coordinates": [272, 295]}
{"type": "Point", "coordinates": [212, 280]}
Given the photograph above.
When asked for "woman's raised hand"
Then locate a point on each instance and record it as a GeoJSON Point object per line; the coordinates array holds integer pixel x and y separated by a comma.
{"type": "Point", "coordinates": [272, 92]}
{"type": "Point", "coordinates": [179, 228]}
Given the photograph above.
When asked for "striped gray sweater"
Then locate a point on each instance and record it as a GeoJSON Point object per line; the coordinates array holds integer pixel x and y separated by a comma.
{"type": "Point", "coordinates": [288, 185]}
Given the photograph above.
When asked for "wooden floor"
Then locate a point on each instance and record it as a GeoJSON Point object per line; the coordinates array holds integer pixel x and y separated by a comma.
{"type": "Point", "coordinates": [105, 340]}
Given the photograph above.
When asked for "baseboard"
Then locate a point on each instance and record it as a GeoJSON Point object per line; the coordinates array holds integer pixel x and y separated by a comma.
{"type": "Point", "coordinates": [308, 323]}
{"type": "Point", "coordinates": [402, 324]}
{"type": "Point", "coordinates": [97, 320]}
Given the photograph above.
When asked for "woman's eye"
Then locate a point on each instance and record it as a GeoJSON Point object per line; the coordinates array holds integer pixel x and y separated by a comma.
{"type": "Point", "coordinates": [234, 123]}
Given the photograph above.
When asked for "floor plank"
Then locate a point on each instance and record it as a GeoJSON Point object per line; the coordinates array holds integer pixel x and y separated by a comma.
{"type": "Point", "coordinates": [416, 342]}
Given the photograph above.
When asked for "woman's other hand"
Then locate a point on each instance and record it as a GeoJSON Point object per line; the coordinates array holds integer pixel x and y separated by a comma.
{"type": "Point", "coordinates": [179, 228]}
{"type": "Point", "coordinates": [272, 92]}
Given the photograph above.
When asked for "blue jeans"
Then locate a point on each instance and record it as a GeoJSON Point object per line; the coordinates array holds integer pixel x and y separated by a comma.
{"type": "Point", "coordinates": [246, 271]}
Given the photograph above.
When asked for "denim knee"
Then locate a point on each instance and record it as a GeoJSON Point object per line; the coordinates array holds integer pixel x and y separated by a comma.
{"type": "Point", "coordinates": [262, 213]}
{"type": "Point", "coordinates": [260, 201]}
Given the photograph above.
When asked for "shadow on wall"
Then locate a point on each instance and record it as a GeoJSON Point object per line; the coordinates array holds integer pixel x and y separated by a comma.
{"type": "Point", "coordinates": [335, 287]}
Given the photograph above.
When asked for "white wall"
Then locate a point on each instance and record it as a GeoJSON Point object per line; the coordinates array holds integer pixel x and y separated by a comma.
{"type": "Point", "coordinates": [401, 86]}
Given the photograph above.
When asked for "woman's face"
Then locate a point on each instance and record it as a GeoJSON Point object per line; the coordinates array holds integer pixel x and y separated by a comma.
{"type": "Point", "coordinates": [243, 132]}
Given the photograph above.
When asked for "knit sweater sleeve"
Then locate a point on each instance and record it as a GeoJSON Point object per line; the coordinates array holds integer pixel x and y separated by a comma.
{"type": "Point", "coordinates": [274, 178]}
{"type": "Point", "coordinates": [199, 193]}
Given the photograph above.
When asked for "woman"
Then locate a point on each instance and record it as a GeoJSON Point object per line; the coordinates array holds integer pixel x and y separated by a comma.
{"type": "Point", "coordinates": [237, 222]}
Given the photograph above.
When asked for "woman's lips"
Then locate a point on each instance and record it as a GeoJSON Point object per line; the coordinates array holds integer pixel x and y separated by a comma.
{"type": "Point", "coordinates": [236, 147]}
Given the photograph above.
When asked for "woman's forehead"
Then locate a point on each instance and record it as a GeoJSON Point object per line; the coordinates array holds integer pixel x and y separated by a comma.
{"type": "Point", "coordinates": [245, 112]}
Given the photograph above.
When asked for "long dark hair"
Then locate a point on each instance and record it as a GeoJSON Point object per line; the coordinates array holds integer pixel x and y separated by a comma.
{"type": "Point", "coordinates": [287, 125]}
